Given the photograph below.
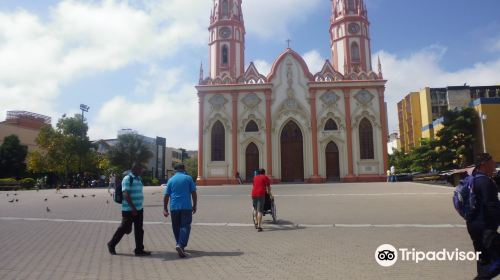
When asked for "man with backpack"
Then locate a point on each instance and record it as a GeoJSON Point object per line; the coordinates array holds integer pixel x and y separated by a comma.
{"type": "Point", "coordinates": [484, 217]}
{"type": "Point", "coordinates": [132, 212]}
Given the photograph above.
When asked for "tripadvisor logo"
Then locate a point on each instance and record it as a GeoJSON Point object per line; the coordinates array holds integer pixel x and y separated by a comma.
{"type": "Point", "coordinates": [387, 255]}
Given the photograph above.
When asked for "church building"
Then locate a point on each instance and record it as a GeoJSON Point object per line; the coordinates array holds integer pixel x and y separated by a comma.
{"type": "Point", "coordinates": [298, 126]}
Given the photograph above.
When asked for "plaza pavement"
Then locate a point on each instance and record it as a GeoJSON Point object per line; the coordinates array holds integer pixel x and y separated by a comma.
{"type": "Point", "coordinates": [327, 231]}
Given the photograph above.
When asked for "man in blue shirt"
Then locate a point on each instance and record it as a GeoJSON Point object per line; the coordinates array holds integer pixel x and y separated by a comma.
{"type": "Point", "coordinates": [179, 191]}
{"type": "Point", "coordinates": [132, 212]}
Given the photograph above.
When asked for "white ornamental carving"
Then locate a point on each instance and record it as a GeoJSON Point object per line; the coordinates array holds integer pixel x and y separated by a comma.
{"type": "Point", "coordinates": [329, 98]}
{"type": "Point", "coordinates": [364, 97]}
{"type": "Point", "coordinates": [251, 100]}
{"type": "Point", "coordinates": [218, 101]}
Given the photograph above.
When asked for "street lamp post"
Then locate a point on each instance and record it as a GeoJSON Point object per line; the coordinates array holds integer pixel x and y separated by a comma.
{"type": "Point", "coordinates": [483, 118]}
{"type": "Point", "coordinates": [84, 108]}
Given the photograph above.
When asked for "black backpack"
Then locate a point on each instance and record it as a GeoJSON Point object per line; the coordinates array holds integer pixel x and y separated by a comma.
{"type": "Point", "coordinates": [118, 195]}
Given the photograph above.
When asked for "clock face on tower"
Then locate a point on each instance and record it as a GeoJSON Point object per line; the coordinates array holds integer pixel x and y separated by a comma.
{"type": "Point", "coordinates": [353, 28]}
{"type": "Point", "coordinates": [225, 32]}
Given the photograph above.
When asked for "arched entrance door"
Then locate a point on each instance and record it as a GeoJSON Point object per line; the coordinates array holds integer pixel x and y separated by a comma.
{"type": "Point", "coordinates": [251, 160]}
{"type": "Point", "coordinates": [292, 156]}
{"type": "Point", "coordinates": [332, 162]}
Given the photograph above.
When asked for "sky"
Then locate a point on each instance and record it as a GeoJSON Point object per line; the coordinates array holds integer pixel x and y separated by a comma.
{"type": "Point", "coordinates": [136, 62]}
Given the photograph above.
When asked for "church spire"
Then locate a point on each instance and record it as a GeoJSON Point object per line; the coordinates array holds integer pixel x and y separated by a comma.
{"type": "Point", "coordinates": [201, 73]}
{"type": "Point", "coordinates": [350, 38]}
{"type": "Point", "coordinates": [380, 76]}
{"type": "Point", "coordinates": [227, 39]}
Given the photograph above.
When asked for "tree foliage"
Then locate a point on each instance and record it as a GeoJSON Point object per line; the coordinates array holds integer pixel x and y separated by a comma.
{"type": "Point", "coordinates": [12, 157]}
{"type": "Point", "coordinates": [452, 147]}
{"type": "Point", "coordinates": [129, 149]}
{"type": "Point", "coordinates": [65, 149]}
{"type": "Point", "coordinates": [191, 165]}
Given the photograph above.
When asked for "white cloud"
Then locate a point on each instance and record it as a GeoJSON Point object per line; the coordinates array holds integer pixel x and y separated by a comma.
{"type": "Point", "coordinates": [269, 19]}
{"type": "Point", "coordinates": [314, 61]}
{"type": "Point", "coordinates": [421, 69]}
{"type": "Point", "coordinates": [86, 38]}
{"type": "Point", "coordinates": [169, 110]}
{"type": "Point", "coordinates": [263, 66]}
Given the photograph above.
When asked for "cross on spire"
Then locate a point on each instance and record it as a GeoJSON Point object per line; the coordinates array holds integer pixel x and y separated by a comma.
{"type": "Point", "coordinates": [288, 41]}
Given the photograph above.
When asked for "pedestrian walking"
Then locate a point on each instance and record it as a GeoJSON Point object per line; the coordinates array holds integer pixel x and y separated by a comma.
{"type": "Point", "coordinates": [180, 195]}
{"type": "Point", "coordinates": [393, 174]}
{"type": "Point", "coordinates": [132, 212]}
{"type": "Point", "coordinates": [261, 187]}
{"type": "Point", "coordinates": [112, 182]}
{"type": "Point", "coordinates": [485, 219]}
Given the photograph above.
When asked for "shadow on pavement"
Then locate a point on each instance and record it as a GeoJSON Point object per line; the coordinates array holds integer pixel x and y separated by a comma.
{"type": "Point", "coordinates": [281, 225]}
{"type": "Point", "coordinates": [172, 255]}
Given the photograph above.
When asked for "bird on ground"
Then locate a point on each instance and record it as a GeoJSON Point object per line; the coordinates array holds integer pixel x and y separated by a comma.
{"type": "Point", "coordinates": [15, 194]}
{"type": "Point", "coordinates": [93, 195]}
{"type": "Point", "coordinates": [45, 199]}
{"type": "Point", "coordinates": [107, 201]}
{"type": "Point", "coordinates": [17, 200]}
{"type": "Point", "coordinates": [48, 210]}
{"type": "Point", "coordinates": [83, 195]}
{"type": "Point", "coordinates": [11, 201]}
{"type": "Point", "coordinates": [65, 196]}
{"type": "Point", "coordinates": [74, 195]}
{"type": "Point", "coordinates": [7, 194]}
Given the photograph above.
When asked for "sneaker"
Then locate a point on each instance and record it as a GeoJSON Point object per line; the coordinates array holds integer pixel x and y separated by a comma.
{"type": "Point", "coordinates": [259, 229]}
{"type": "Point", "coordinates": [111, 249]}
{"type": "Point", "coordinates": [180, 251]}
{"type": "Point", "coordinates": [143, 253]}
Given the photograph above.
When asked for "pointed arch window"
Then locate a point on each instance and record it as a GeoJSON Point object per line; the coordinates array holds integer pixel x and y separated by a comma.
{"type": "Point", "coordinates": [224, 9]}
{"type": "Point", "coordinates": [351, 5]}
{"type": "Point", "coordinates": [355, 57]}
{"type": "Point", "coordinates": [218, 142]}
{"type": "Point", "coordinates": [331, 125]}
{"type": "Point", "coordinates": [251, 127]}
{"type": "Point", "coordinates": [225, 55]}
{"type": "Point", "coordinates": [366, 139]}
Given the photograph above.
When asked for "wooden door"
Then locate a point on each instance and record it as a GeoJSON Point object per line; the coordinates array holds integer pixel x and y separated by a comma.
{"type": "Point", "coordinates": [292, 156]}
{"type": "Point", "coordinates": [332, 162]}
{"type": "Point", "coordinates": [251, 160]}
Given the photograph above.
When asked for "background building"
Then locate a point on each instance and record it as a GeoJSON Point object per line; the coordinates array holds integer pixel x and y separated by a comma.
{"type": "Point", "coordinates": [299, 126]}
{"type": "Point", "coordinates": [428, 107]}
{"type": "Point", "coordinates": [394, 143]}
{"type": "Point", "coordinates": [25, 125]}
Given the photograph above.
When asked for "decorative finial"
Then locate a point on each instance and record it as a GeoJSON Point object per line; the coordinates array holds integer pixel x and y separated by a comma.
{"type": "Point", "coordinates": [380, 69]}
{"type": "Point", "coordinates": [201, 73]}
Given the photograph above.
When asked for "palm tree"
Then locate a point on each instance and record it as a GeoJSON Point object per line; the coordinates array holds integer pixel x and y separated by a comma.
{"type": "Point", "coordinates": [129, 149]}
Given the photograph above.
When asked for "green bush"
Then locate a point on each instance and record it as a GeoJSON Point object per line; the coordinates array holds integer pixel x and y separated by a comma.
{"type": "Point", "coordinates": [27, 182]}
{"type": "Point", "coordinates": [155, 182]}
{"type": "Point", "coordinates": [10, 188]}
{"type": "Point", "coordinates": [8, 182]}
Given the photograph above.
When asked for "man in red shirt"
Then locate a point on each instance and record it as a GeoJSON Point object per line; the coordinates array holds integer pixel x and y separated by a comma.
{"type": "Point", "coordinates": [261, 186]}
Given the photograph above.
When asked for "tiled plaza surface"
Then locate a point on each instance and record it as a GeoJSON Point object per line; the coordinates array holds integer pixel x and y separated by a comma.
{"type": "Point", "coordinates": [327, 231]}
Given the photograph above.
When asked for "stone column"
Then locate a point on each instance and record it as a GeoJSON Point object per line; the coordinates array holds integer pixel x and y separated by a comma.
{"type": "Point", "coordinates": [314, 123]}
{"type": "Point", "coordinates": [269, 144]}
{"type": "Point", "coordinates": [383, 123]}
{"type": "Point", "coordinates": [235, 138]}
{"type": "Point", "coordinates": [347, 101]}
{"type": "Point", "coordinates": [201, 100]}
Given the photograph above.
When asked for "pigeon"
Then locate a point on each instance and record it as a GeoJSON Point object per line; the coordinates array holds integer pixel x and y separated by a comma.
{"type": "Point", "coordinates": [48, 210]}
{"type": "Point", "coordinates": [107, 201]}
{"type": "Point", "coordinates": [17, 200]}
{"type": "Point", "coordinates": [83, 195]}
{"type": "Point", "coordinates": [65, 196]}
{"type": "Point", "coordinates": [93, 195]}
{"type": "Point", "coordinates": [74, 195]}
{"type": "Point", "coordinates": [11, 201]}
{"type": "Point", "coordinates": [7, 194]}
{"type": "Point", "coordinates": [15, 194]}
{"type": "Point", "coordinates": [45, 199]}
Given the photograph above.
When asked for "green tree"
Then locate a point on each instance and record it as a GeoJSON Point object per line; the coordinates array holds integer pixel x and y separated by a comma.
{"type": "Point", "coordinates": [12, 157]}
{"type": "Point", "coordinates": [423, 157]}
{"type": "Point", "coordinates": [65, 149]}
{"type": "Point", "coordinates": [129, 149]}
{"type": "Point", "coordinates": [456, 138]}
{"type": "Point", "coordinates": [400, 161]}
{"type": "Point", "coordinates": [191, 165]}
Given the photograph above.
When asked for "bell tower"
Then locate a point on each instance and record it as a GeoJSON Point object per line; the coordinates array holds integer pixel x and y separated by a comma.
{"type": "Point", "coordinates": [227, 39]}
{"type": "Point", "coordinates": [350, 37]}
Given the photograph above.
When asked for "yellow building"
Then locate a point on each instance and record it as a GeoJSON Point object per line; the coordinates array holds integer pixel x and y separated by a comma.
{"type": "Point", "coordinates": [410, 121]}
{"type": "Point", "coordinates": [488, 110]}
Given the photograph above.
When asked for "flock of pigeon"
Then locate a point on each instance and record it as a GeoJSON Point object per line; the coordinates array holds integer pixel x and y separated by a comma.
{"type": "Point", "coordinates": [15, 198]}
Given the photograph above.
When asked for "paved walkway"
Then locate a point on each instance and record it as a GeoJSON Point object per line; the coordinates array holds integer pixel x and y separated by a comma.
{"type": "Point", "coordinates": [325, 231]}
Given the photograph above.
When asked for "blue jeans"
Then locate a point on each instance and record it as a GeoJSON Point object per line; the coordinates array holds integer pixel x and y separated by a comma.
{"type": "Point", "coordinates": [181, 225]}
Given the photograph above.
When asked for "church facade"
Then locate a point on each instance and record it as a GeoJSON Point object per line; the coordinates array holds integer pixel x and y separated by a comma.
{"type": "Point", "coordinates": [299, 126]}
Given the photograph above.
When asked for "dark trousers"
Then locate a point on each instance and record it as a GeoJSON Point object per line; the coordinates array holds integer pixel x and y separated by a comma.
{"type": "Point", "coordinates": [181, 226]}
{"type": "Point", "coordinates": [486, 241]}
{"type": "Point", "coordinates": [126, 228]}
